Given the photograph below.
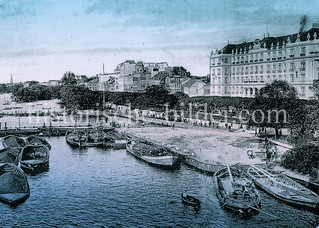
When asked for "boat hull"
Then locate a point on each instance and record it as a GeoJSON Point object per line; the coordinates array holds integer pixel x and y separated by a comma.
{"type": "Point", "coordinates": [168, 162]}
{"type": "Point", "coordinates": [35, 159]}
{"type": "Point", "coordinates": [202, 166]}
{"type": "Point", "coordinates": [236, 201]}
{"type": "Point", "coordinates": [286, 191]}
{"type": "Point", "coordinates": [13, 141]}
{"type": "Point", "coordinates": [14, 185]}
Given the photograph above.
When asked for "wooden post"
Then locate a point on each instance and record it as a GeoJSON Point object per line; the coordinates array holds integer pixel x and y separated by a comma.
{"type": "Point", "coordinates": [5, 128]}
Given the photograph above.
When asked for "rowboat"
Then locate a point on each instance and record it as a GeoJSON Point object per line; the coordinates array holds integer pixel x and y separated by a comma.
{"type": "Point", "coordinates": [191, 200]}
{"type": "Point", "coordinates": [153, 154]}
{"type": "Point", "coordinates": [13, 141]}
{"type": "Point", "coordinates": [14, 186]}
{"type": "Point", "coordinates": [76, 139]}
{"type": "Point", "coordinates": [35, 158]}
{"type": "Point", "coordinates": [284, 188]}
{"type": "Point", "coordinates": [234, 191]}
{"type": "Point", "coordinates": [10, 155]}
{"type": "Point", "coordinates": [35, 140]}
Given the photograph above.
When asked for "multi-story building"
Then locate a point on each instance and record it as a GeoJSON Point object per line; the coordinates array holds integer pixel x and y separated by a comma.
{"type": "Point", "coordinates": [242, 69]}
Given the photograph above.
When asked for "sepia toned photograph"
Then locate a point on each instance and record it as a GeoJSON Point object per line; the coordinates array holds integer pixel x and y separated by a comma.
{"type": "Point", "coordinates": [159, 113]}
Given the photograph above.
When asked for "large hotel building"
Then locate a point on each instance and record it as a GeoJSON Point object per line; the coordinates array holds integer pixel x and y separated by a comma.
{"type": "Point", "coordinates": [240, 70]}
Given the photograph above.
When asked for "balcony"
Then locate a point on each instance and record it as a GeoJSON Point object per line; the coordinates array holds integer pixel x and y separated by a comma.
{"type": "Point", "coordinates": [273, 58]}
{"type": "Point", "coordinates": [261, 72]}
{"type": "Point", "coordinates": [302, 54]}
{"type": "Point", "coordinates": [251, 61]}
{"type": "Point", "coordinates": [260, 60]}
{"type": "Point", "coordinates": [246, 61]}
{"type": "Point", "coordinates": [237, 62]}
{"type": "Point", "coordinates": [291, 56]}
{"type": "Point", "coordinates": [256, 60]}
{"type": "Point", "coordinates": [302, 69]}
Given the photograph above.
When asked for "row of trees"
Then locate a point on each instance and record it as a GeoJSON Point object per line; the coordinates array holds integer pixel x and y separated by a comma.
{"type": "Point", "coordinates": [34, 92]}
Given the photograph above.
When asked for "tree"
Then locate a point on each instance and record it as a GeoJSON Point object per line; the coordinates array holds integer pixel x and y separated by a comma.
{"type": "Point", "coordinates": [274, 105]}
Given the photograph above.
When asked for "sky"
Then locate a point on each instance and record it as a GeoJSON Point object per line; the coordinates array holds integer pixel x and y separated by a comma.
{"type": "Point", "coordinates": [42, 39]}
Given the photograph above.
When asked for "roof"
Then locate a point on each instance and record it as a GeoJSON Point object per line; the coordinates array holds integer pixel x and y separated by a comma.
{"type": "Point", "coordinates": [191, 82]}
{"type": "Point", "coordinates": [160, 75]}
{"type": "Point", "coordinates": [271, 41]}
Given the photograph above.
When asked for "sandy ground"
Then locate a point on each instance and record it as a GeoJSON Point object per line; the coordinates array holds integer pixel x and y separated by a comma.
{"type": "Point", "coordinates": [208, 144]}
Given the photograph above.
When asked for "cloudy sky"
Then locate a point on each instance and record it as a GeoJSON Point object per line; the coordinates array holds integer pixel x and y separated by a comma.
{"type": "Point", "coordinates": [41, 39]}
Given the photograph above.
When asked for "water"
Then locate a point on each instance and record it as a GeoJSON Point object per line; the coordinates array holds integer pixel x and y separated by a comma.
{"type": "Point", "coordinates": [101, 188]}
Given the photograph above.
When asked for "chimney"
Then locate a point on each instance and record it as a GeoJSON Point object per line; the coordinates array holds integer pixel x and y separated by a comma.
{"type": "Point", "coordinates": [103, 68]}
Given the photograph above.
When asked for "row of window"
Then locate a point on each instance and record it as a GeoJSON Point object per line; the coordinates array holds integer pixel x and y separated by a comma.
{"type": "Point", "coordinates": [269, 56]}
{"type": "Point", "coordinates": [248, 91]}
{"type": "Point", "coordinates": [261, 79]}
{"type": "Point", "coordinates": [259, 69]}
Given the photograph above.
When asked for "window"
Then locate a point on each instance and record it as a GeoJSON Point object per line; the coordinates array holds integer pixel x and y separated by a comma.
{"type": "Point", "coordinates": [256, 69]}
{"type": "Point", "coordinates": [268, 68]}
{"type": "Point", "coordinates": [292, 52]}
{"type": "Point", "coordinates": [261, 69]}
{"type": "Point", "coordinates": [303, 66]}
{"type": "Point", "coordinates": [302, 77]}
{"type": "Point", "coordinates": [303, 51]}
{"type": "Point", "coordinates": [292, 77]}
{"type": "Point", "coordinates": [274, 68]}
{"type": "Point", "coordinates": [292, 67]}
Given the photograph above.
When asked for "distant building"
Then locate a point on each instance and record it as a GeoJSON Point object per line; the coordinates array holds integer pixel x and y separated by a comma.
{"type": "Point", "coordinates": [195, 87]}
{"type": "Point", "coordinates": [93, 85]}
{"type": "Point", "coordinates": [241, 70]}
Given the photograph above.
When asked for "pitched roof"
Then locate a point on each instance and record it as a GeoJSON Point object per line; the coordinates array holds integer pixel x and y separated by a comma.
{"type": "Point", "coordinates": [271, 40]}
{"type": "Point", "coordinates": [160, 75]}
{"type": "Point", "coordinates": [191, 82]}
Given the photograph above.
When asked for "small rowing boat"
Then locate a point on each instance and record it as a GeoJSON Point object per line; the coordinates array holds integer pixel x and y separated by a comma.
{"type": "Point", "coordinates": [14, 186]}
{"type": "Point", "coordinates": [10, 155]}
{"type": "Point", "coordinates": [35, 158]}
{"type": "Point", "coordinates": [234, 191]}
{"type": "Point", "coordinates": [191, 200]}
{"type": "Point", "coordinates": [153, 154]}
{"type": "Point", "coordinates": [35, 140]}
{"type": "Point", "coordinates": [13, 141]}
{"type": "Point", "coordinates": [284, 188]}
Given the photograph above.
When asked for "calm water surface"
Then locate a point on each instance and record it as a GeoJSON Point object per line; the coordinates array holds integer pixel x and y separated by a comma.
{"type": "Point", "coordinates": [100, 188]}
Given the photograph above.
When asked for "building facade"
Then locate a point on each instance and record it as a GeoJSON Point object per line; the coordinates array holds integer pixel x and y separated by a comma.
{"type": "Point", "coordinates": [241, 70]}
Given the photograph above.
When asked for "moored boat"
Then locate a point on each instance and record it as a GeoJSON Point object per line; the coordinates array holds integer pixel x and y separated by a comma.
{"type": "Point", "coordinates": [235, 192]}
{"type": "Point", "coordinates": [284, 188]}
{"type": "Point", "coordinates": [14, 186]}
{"type": "Point", "coordinates": [10, 155]}
{"type": "Point", "coordinates": [153, 154]}
{"type": "Point", "coordinates": [207, 167]}
{"type": "Point", "coordinates": [35, 140]}
{"type": "Point", "coordinates": [76, 139]}
{"type": "Point", "coordinates": [35, 158]}
{"type": "Point", "coordinates": [13, 141]}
